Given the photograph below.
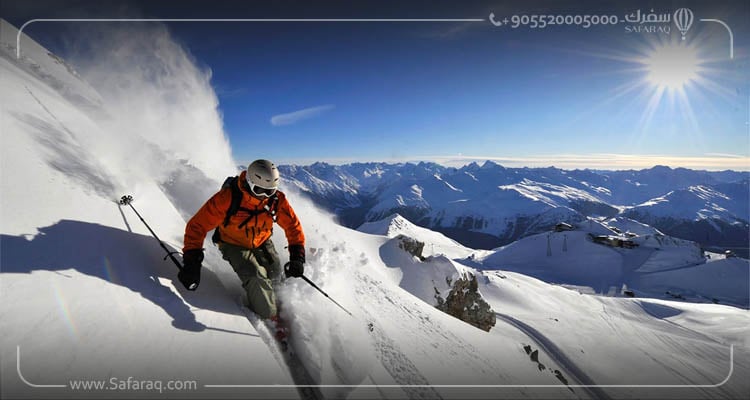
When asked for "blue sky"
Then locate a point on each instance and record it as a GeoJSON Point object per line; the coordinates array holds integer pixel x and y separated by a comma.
{"type": "Point", "coordinates": [453, 91]}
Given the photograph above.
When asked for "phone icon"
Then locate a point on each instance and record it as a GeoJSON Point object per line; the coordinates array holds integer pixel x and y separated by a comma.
{"type": "Point", "coordinates": [492, 19]}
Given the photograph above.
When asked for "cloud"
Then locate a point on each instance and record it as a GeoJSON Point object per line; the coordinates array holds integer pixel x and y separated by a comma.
{"type": "Point", "coordinates": [226, 93]}
{"type": "Point", "coordinates": [299, 115]}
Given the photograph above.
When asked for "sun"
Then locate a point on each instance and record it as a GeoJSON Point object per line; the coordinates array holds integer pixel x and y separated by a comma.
{"type": "Point", "coordinates": [662, 79]}
{"type": "Point", "coordinates": [672, 66]}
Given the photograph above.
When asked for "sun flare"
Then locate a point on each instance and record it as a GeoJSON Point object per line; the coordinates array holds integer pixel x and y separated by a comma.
{"type": "Point", "coordinates": [672, 66]}
{"type": "Point", "coordinates": [669, 76]}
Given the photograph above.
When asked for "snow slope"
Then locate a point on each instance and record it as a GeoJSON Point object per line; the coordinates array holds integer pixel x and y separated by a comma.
{"type": "Point", "coordinates": [657, 266]}
{"type": "Point", "coordinates": [595, 340]}
{"type": "Point", "coordinates": [85, 294]}
{"type": "Point", "coordinates": [629, 341]}
{"type": "Point", "coordinates": [607, 340]}
{"type": "Point", "coordinates": [699, 202]}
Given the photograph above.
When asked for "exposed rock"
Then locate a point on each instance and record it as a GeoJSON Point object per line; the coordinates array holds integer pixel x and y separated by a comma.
{"type": "Point", "coordinates": [411, 246]}
{"type": "Point", "coordinates": [562, 379]}
{"type": "Point", "coordinates": [466, 303]}
{"type": "Point", "coordinates": [534, 356]}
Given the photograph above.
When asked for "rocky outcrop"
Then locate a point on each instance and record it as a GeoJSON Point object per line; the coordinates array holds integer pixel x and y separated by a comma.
{"type": "Point", "coordinates": [411, 246]}
{"type": "Point", "coordinates": [466, 303]}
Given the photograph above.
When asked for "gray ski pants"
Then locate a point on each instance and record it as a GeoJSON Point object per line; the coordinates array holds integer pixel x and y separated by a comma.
{"type": "Point", "coordinates": [258, 269]}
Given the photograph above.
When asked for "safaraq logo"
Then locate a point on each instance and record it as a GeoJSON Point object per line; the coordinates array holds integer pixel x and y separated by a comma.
{"type": "Point", "coordinates": [683, 19]}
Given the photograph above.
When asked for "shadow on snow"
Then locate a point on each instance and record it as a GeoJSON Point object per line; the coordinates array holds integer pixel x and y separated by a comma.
{"type": "Point", "coordinates": [119, 257]}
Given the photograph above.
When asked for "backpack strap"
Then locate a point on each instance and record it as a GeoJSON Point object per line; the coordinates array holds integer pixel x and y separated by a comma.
{"type": "Point", "coordinates": [234, 205]}
{"type": "Point", "coordinates": [272, 205]}
{"type": "Point", "coordinates": [270, 208]}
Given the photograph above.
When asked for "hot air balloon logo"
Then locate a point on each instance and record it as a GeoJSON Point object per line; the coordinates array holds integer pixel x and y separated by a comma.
{"type": "Point", "coordinates": [683, 18]}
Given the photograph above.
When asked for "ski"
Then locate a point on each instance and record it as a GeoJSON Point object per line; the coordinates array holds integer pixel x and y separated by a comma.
{"type": "Point", "coordinates": [280, 332]}
{"type": "Point", "coordinates": [283, 351]}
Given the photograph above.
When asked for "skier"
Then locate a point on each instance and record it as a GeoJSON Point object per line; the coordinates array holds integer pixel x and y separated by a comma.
{"type": "Point", "coordinates": [243, 213]}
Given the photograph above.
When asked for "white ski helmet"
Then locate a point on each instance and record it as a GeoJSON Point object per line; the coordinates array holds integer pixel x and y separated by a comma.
{"type": "Point", "coordinates": [263, 178]}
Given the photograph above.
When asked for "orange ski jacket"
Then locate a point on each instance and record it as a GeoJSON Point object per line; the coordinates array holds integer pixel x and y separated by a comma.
{"type": "Point", "coordinates": [254, 233]}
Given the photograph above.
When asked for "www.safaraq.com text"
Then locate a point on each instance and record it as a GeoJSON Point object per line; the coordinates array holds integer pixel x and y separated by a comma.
{"type": "Point", "coordinates": [131, 384]}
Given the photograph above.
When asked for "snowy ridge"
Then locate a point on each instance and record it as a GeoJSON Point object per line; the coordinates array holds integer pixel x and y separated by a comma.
{"type": "Point", "coordinates": [629, 226]}
{"type": "Point", "coordinates": [435, 243]}
{"type": "Point", "coordinates": [554, 195]}
{"type": "Point", "coordinates": [696, 202]}
{"type": "Point", "coordinates": [48, 67]}
{"type": "Point", "coordinates": [323, 180]}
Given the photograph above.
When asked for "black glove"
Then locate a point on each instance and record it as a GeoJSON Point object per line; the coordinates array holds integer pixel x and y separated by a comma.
{"type": "Point", "coordinates": [190, 274]}
{"type": "Point", "coordinates": [296, 265]}
{"type": "Point", "coordinates": [294, 269]}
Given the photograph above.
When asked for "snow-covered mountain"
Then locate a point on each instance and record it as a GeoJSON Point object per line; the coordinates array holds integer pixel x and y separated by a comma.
{"type": "Point", "coordinates": [87, 299]}
{"type": "Point", "coordinates": [435, 242]}
{"type": "Point", "coordinates": [706, 214]}
{"type": "Point", "coordinates": [599, 257]}
{"type": "Point", "coordinates": [648, 264]}
{"type": "Point", "coordinates": [490, 205]}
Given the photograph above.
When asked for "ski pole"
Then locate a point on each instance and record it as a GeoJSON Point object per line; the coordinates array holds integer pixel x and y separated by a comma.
{"type": "Point", "coordinates": [325, 294]}
{"type": "Point", "coordinates": [127, 200]}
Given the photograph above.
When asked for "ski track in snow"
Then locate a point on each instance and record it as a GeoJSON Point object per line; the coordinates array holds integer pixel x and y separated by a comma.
{"type": "Point", "coordinates": [401, 368]}
{"type": "Point", "coordinates": [300, 376]}
{"type": "Point", "coordinates": [653, 309]}
{"type": "Point", "coordinates": [557, 355]}
{"type": "Point", "coordinates": [677, 268]}
{"type": "Point", "coordinates": [64, 128]}
{"type": "Point", "coordinates": [393, 359]}
{"type": "Point", "coordinates": [677, 335]}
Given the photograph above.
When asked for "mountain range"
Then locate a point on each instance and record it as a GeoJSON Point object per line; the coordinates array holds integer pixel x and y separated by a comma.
{"type": "Point", "coordinates": [488, 205]}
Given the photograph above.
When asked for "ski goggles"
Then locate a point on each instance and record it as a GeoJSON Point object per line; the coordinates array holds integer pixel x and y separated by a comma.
{"type": "Point", "coordinates": [261, 191]}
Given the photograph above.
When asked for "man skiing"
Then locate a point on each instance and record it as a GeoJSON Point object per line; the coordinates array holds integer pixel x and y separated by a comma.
{"type": "Point", "coordinates": [243, 213]}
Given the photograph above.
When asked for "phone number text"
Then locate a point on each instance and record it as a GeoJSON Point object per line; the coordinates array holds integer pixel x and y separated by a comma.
{"type": "Point", "coordinates": [543, 21]}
